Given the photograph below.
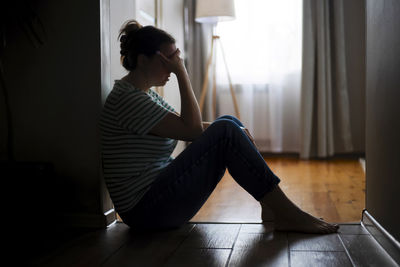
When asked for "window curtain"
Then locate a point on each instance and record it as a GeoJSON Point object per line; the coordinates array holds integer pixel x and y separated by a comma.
{"type": "Point", "coordinates": [263, 48]}
{"type": "Point", "coordinates": [325, 118]}
{"type": "Point", "coordinates": [197, 48]}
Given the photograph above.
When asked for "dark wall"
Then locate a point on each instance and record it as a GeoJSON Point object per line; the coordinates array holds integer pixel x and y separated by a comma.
{"type": "Point", "coordinates": [383, 109]}
{"type": "Point", "coordinates": [354, 21]}
{"type": "Point", "coordinates": [55, 97]}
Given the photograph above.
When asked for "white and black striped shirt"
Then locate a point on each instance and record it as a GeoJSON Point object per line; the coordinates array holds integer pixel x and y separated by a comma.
{"type": "Point", "coordinates": [132, 158]}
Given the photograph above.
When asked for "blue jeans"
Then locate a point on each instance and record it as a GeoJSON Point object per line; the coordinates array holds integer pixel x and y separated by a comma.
{"type": "Point", "coordinates": [185, 184]}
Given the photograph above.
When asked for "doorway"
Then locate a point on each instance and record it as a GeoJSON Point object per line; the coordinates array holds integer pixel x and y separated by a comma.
{"type": "Point", "coordinates": [332, 189]}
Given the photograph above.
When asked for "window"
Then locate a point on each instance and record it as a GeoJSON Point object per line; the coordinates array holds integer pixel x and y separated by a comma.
{"type": "Point", "coordinates": [263, 43]}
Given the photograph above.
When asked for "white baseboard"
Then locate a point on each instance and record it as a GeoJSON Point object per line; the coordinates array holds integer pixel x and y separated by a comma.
{"type": "Point", "coordinates": [87, 220]}
{"type": "Point", "coordinates": [362, 162]}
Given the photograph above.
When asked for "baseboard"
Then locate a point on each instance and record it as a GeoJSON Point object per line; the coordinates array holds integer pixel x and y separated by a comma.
{"type": "Point", "coordinates": [362, 163]}
{"type": "Point", "coordinates": [296, 155]}
{"type": "Point", "coordinates": [385, 239]}
{"type": "Point", "coordinates": [87, 220]}
{"type": "Point", "coordinates": [227, 222]}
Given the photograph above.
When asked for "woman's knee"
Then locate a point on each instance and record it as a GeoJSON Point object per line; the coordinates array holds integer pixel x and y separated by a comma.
{"type": "Point", "coordinates": [224, 124]}
{"type": "Point", "coordinates": [227, 117]}
{"type": "Point", "coordinates": [230, 117]}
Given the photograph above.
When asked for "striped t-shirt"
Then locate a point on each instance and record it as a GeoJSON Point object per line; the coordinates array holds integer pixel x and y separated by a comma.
{"type": "Point", "coordinates": [132, 158]}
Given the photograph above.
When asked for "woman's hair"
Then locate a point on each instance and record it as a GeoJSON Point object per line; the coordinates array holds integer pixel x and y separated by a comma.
{"type": "Point", "coordinates": [136, 39]}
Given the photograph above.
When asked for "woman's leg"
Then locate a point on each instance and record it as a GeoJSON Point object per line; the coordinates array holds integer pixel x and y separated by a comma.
{"type": "Point", "coordinates": [286, 207]}
{"type": "Point", "coordinates": [287, 215]}
{"type": "Point", "coordinates": [183, 187]}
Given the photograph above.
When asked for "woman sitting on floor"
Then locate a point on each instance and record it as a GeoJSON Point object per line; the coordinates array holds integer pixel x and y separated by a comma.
{"type": "Point", "coordinates": [140, 130]}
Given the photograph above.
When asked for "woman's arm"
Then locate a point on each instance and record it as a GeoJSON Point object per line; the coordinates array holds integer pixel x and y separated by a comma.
{"type": "Point", "coordinates": [190, 111]}
{"type": "Point", "coordinates": [187, 126]}
{"type": "Point", "coordinates": [204, 123]}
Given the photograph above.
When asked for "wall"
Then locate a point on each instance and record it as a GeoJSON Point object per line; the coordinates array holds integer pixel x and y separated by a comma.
{"type": "Point", "coordinates": [120, 11]}
{"type": "Point", "coordinates": [55, 97]}
{"type": "Point", "coordinates": [383, 109]}
{"type": "Point", "coordinates": [354, 19]}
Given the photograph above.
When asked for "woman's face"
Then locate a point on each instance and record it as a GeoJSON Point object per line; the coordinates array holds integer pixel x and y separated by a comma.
{"type": "Point", "coordinates": [158, 74]}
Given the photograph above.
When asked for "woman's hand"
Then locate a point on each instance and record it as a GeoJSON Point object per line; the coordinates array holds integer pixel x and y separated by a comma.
{"type": "Point", "coordinates": [174, 63]}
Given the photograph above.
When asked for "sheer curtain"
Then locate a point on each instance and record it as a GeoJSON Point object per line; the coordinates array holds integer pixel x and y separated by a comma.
{"type": "Point", "coordinates": [263, 51]}
{"type": "Point", "coordinates": [325, 112]}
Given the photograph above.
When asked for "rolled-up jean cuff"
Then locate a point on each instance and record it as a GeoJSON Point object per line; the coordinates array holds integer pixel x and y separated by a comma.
{"type": "Point", "coordinates": [269, 188]}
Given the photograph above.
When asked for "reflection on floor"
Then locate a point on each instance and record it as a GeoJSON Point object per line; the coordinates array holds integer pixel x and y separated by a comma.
{"type": "Point", "coordinates": [219, 245]}
{"type": "Point", "coordinates": [331, 189]}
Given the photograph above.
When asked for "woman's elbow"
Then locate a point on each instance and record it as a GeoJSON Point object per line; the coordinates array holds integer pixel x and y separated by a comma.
{"type": "Point", "coordinates": [196, 132]}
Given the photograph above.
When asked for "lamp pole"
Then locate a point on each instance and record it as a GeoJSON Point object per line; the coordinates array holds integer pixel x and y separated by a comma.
{"type": "Point", "coordinates": [212, 60]}
{"type": "Point", "coordinates": [213, 11]}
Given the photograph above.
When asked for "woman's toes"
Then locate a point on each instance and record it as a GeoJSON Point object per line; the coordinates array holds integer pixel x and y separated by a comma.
{"type": "Point", "coordinates": [333, 228]}
{"type": "Point", "coordinates": [328, 228]}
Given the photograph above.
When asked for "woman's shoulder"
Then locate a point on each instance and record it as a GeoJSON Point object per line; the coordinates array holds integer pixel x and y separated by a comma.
{"type": "Point", "coordinates": [124, 88]}
{"type": "Point", "coordinates": [123, 85]}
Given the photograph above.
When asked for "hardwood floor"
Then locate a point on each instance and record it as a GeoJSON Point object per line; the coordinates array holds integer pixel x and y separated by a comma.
{"type": "Point", "coordinates": [219, 245]}
{"type": "Point", "coordinates": [331, 189]}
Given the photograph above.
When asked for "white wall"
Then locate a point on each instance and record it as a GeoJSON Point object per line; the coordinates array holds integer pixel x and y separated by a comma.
{"type": "Point", "coordinates": [121, 11]}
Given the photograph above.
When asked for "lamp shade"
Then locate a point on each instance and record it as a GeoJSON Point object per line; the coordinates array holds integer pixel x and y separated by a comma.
{"type": "Point", "coordinates": [213, 11]}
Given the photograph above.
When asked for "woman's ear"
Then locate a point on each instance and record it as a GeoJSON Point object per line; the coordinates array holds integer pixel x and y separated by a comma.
{"type": "Point", "coordinates": [142, 60]}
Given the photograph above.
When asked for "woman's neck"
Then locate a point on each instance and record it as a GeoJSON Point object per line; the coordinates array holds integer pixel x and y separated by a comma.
{"type": "Point", "coordinates": [137, 80]}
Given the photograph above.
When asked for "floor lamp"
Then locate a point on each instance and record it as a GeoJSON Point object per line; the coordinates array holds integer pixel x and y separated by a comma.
{"type": "Point", "coordinates": [212, 12]}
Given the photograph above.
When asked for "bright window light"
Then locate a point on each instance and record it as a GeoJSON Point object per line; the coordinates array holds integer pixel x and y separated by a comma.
{"type": "Point", "coordinates": [263, 43]}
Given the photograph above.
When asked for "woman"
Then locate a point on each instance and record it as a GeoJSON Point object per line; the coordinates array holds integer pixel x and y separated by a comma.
{"type": "Point", "coordinates": [140, 130]}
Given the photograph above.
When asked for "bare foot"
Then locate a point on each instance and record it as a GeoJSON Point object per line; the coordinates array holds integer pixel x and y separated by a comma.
{"type": "Point", "coordinates": [305, 223]}
{"type": "Point", "coordinates": [289, 217]}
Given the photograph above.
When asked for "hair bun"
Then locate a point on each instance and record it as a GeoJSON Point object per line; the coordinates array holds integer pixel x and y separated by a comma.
{"type": "Point", "coordinates": [129, 28]}
{"type": "Point", "coordinates": [127, 34]}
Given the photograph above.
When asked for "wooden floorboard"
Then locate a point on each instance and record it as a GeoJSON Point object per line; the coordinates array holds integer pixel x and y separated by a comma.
{"type": "Point", "coordinates": [319, 258]}
{"type": "Point", "coordinates": [314, 242]}
{"type": "Point", "coordinates": [199, 257]}
{"type": "Point", "coordinates": [219, 245]}
{"type": "Point", "coordinates": [260, 249]}
{"type": "Point", "coordinates": [91, 249]}
{"type": "Point", "coordinates": [149, 248]}
{"type": "Point", "coordinates": [212, 236]}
